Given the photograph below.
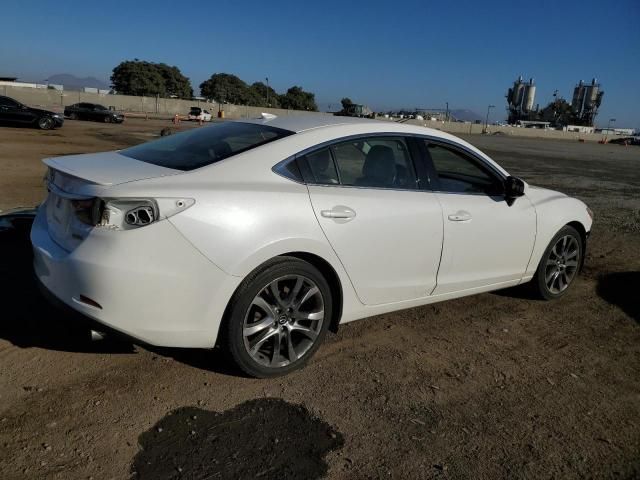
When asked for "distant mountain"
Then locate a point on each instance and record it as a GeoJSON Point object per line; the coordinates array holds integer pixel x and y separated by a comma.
{"type": "Point", "coordinates": [71, 82]}
{"type": "Point", "coordinates": [466, 115]}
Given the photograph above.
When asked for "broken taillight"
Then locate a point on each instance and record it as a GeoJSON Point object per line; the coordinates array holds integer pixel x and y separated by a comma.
{"type": "Point", "coordinates": [87, 210]}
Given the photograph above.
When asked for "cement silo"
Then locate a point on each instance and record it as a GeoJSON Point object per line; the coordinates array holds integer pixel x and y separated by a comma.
{"type": "Point", "coordinates": [586, 101]}
{"type": "Point", "coordinates": [528, 96]}
{"type": "Point", "coordinates": [591, 95]}
{"type": "Point", "coordinates": [578, 97]}
{"type": "Point", "coordinates": [520, 100]}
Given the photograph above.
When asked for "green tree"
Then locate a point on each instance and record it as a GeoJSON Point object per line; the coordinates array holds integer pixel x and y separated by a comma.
{"type": "Point", "coordinates": [175, 83]}
{"type": "Point", "coordinates": [136, 77]}
{"type": "Point", "coordinates": [224, 87]}
{"type": "Point", "coordinates": [264, 95]}
{"type": "Point", "coordinates": [346, 103]}
{"type": "Point", "coordinates": [297, 99]}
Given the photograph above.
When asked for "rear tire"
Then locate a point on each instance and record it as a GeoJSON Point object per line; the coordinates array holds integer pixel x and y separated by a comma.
{"type": "Point", "coordinates": [73, 116]}
{"type": "Point", "coordinates": [45, 123]}
{"type": "Point", "coordinates": [559, 265]}
{"type": "Point", "coordinates": [277, 318]}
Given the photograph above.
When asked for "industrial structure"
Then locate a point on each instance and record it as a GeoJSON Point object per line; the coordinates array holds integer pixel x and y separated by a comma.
{"type": "Point", "coordinates": [581, 112]}
{"type": "Point", "coordinates": [586, 101]}
{"type": "Point", "coordinates": [520, 99]}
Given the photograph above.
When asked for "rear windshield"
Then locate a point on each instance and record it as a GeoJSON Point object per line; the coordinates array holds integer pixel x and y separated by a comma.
{"type": "Point", "coordinates": [203, 146]}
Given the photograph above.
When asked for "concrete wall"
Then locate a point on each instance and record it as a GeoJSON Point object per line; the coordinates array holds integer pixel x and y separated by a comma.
{"type": "Point", "coordinates": [471, 128]}
{"type": "Point", "coordinates": [167, 107]}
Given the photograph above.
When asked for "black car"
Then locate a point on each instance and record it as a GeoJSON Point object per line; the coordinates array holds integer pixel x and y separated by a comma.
{"type": "Point", "coordinates": [14, 113]}
{"type": "Point", "coordinates": [92, 111]}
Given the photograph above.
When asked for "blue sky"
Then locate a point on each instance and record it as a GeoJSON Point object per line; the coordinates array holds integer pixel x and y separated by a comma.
{"type": "Point", "coordinates": [384, 54]}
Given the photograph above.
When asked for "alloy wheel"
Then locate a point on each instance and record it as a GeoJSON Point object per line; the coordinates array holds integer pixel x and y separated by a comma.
{"type": "Point", "coordinates": [562, 264]}
{"type": "Point", "coordinates": [45, 123]}
{"type": "Point", "coordinates": [283, 321]}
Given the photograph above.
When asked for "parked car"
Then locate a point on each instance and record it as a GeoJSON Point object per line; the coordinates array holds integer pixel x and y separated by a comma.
{"type": "Point", "coordinates": [92, 111]}
{"type": "Point", "coordinates": [263, 234]}
{"type": "Point", "coordinates": [15, 113]}
{"type": "Point", "coordinates": [197, 113]}
{"type": "Point", "coordinates": [625, 141]}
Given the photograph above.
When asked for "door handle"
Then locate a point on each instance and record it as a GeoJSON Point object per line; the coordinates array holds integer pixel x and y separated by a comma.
{"type": "Point", "coordinates": [460, 216]}
{"type": "Point", "coordinates": [338, 212]}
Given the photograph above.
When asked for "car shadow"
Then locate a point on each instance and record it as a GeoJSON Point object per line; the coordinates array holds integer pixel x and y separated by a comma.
{"type": "Point", "coordinates": [523, 292]}
{"type": "Point", "coordinates": [28, 320]}
{"type": "Point", "coordinates": [621, 289]}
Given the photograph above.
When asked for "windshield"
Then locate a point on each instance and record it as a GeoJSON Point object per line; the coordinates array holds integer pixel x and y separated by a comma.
{"type": "Point", "coordinates": [203, 146]}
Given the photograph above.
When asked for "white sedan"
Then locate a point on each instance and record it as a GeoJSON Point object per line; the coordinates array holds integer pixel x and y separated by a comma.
{"type": "Point", "coordinates": [261, 235]}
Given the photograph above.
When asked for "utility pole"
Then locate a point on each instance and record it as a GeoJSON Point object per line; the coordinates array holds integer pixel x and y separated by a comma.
{"type": "Point", "coordinates": [486, 121]}
{"type": "Point", "coordinates": [446, 115]}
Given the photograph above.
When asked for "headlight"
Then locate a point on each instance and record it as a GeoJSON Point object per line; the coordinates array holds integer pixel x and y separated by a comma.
{"type": "Point", "coordinates": [56, 115]}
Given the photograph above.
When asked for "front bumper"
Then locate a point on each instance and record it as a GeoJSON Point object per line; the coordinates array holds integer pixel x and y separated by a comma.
{"type": "Point", "coordinates": [150, 283]}
{"type": "Point", "coordinates": [58, 121]}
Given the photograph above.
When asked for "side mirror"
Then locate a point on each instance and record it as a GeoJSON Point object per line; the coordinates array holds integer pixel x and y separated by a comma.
{"type": "Point", "coordinates": [513, 187]}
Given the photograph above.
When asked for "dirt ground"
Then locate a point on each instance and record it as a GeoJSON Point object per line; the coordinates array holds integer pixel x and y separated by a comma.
{"type": "Point", "coordinates": [491, 386]}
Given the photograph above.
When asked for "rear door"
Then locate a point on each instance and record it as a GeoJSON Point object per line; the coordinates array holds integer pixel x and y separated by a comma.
{"type": "Point", "coordinates": [385, 229]}
{"type": "Point", "coordinates": [487, 239]}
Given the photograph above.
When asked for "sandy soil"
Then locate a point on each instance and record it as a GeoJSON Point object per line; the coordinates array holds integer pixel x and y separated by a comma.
{"type": "Point", "coordinates": [492, 386]}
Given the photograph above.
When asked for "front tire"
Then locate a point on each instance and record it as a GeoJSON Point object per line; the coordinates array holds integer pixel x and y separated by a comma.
{"type": "Point", "coordinates": [107, 119]}
{"type": "Point", "coordinates": [559, 265]}
{"type": "Point", "coordinates": [278, 317]}
{"type": "Point", "coordinates": [45, 123]}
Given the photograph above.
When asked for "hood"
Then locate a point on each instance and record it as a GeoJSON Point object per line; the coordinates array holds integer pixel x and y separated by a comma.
{"type": "Point", "coordinates": [107, 168]}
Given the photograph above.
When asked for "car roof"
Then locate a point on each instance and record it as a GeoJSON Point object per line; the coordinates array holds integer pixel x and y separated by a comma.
{"type": "Point", "coordinates": [301, 122]}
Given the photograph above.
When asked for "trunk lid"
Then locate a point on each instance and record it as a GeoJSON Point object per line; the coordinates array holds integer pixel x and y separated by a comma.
{"type": "Point", "coordinates": [67, 182]}
{"type": "Point", "coordinates": [107, 168]}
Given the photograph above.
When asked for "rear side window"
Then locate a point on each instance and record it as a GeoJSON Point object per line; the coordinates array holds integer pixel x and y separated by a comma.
{"type": "Point", "coordinates": [376, 162]}
{"type": "Point", "coordinates": [322, 168]}
{"type": "Point", "coordinates": [8, 102]}
{"type": "Point", "coordinates": [204, 146]}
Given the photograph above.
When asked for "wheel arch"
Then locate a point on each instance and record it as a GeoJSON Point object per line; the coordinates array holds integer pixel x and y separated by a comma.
{"type": "Point", "coordinates": [580, 228]}
{"type": "Point", "coordinates": [333, 279]}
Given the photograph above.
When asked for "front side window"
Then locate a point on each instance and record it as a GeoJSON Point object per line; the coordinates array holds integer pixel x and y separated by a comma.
{"type": "Point", "coordinates": [376, 162]}
{"type": "Point", "coordinates": [203, 146]}
{"type": "Point", "coordinates": [458, 173]}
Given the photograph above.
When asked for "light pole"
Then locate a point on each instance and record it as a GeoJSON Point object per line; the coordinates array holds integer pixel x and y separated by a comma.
{"type": "Point", "coordinates": [486, 121]}
{"type": "Point", "coordinates": [608, 127]}
{"type": "Point", "coordinates": [446, 116]}
{"type": "Point", "coordinates": [267, 79]}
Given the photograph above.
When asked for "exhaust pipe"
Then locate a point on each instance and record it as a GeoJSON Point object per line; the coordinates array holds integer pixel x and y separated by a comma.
{"type": "Point", "coordinates": [96, 336]}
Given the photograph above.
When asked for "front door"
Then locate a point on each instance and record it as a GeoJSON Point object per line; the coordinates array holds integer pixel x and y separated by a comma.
{"type": "Point", "coordinates": [487, 240]}
{"type": "Point", "coordinates": [385, 230]}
